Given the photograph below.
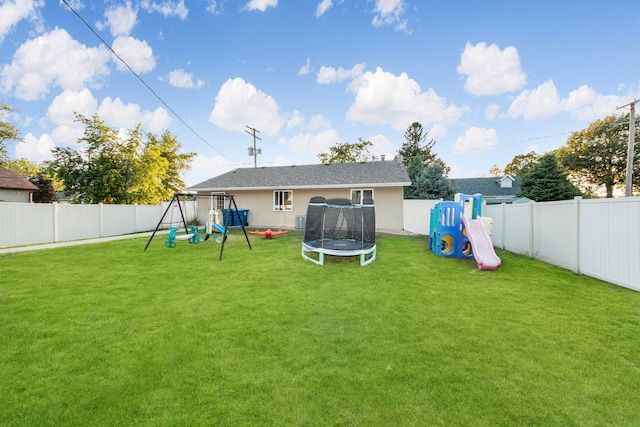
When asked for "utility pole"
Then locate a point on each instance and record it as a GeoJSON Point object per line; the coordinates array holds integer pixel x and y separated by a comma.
{"type": "Point", "coordinates": [253, 151]}
{"type": "Point", "coordinates": [632, 132]}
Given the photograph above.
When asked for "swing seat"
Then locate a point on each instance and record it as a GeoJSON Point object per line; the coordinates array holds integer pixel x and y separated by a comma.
{"type": "Point", "coordinates": [192, 237]}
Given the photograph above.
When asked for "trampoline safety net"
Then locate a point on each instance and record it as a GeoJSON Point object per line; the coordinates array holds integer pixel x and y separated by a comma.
{"type": "Point", "coordinates": [340, 228]}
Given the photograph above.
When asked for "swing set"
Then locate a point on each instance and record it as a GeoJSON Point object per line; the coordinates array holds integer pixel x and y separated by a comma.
{"type": "Point", "coordinates": [191, 231]}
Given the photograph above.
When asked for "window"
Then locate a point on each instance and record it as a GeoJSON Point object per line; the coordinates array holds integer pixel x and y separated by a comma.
{"type": "Point", "coordinates": [357, 196]}
{"type": "Point", "coordinates": [283, 200]}
{"type": "Point", "coordinates": [217, 202]}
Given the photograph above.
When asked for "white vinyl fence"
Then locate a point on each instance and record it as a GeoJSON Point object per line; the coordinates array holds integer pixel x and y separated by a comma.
{"type": "Point", "coordinates": [597, 237]}
{"type": "Point", "coordinates": [35, 223]}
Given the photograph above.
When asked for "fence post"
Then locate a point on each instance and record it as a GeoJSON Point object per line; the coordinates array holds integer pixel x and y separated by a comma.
{"type": "Point", "coordinates": [502, 213]}
{"type": "Point", "coordinates": [56, 236]}
{"type": "Point", "coordinates": [576, 205]}
{"type": "Point", "coordinates": [101, 219]}
{"type": "Point", "coordinates": [531, 229]}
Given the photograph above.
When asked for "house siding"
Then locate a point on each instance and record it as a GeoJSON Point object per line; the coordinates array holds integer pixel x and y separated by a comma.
{"type": "Point", "coordinates": [388, 204]}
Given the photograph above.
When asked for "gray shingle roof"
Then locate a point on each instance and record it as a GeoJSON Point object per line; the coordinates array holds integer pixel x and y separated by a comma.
{"type": "Point", "coordinates": [488, 187]}
{"type": "Point", "coordinates": [333, 175]}
{"type": "Point", "coordinates": [12, 180]}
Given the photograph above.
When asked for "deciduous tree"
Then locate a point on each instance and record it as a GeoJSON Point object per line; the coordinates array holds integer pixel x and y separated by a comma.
{"type": "Point", "coordinates": [521, 163]}
{"type": "Point", "coordinates": [8, 133]}
{"type": "Point", "coordinates": [109, 169]}
{"type": "Point", "coordinates": [596, 157]}
{"type": "Point", "coordinates": [348, 153]}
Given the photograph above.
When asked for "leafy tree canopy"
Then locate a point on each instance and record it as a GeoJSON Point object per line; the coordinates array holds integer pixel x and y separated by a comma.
{"type": "Point", "coordinates": [8, 133]}
{"type": "Point", "coordinates": [521, 163]}
{"type": "Point", "coordinates": [429, 182]}
{"type": "Point", "coordinates": [596, 157]}
{"type": "Point", "coordinates": [415, 136]}
{"type": "Point", "coordinates": [545, 181]}
{"type": "Point", "coordinates": [348, 153]}
{"type": "Point", "coordinates": [111, 170]}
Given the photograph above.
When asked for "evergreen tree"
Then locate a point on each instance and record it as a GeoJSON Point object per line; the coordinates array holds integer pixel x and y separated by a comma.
{"type": "Point", "coordinates": [546, 181]}
{"type": "Point", "coordinates": [428, 183]}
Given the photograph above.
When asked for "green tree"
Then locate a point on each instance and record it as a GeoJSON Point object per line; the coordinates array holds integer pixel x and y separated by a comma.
{"type": "Point", "coordinates": [46, 192]}
{"type": "Point", "coordinates": [24, 167]}
{"type": "Point", "coordinates": [111, 170]}
{"type": "Point", "coordinates": [545, 181]}
{"type": "Point", "coordinates": [521, 163]}
{"type": "Point", "coordinates": [8, 133]}
{"type": "Point", "coordinates": [429, 182]}
{"type": "Point", "coordinates": [415, 136]}
{"type": "Point", "coordinates": [596, 157]}
{"type": "Point", "coordinates": [348, 153]}
{"type": "Point", "coordinates": [495, 171]}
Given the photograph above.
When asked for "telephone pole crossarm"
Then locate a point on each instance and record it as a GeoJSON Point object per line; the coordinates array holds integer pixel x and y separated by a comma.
{"type": "Point", "coordinates": [254, 151]}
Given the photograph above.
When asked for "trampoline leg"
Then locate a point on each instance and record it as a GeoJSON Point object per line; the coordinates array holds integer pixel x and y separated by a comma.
{"type": "Point", "coordinates": [319, 261]}
{"type": "Point", "coordinates": [372, 257]}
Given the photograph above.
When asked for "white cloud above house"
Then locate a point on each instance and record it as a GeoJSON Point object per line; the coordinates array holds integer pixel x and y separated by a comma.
{"type": "Point", "coordinates": [260, 5]}
{"type": "Point", "coordinates": [54, 58]}
{"type": "Point", "coordinates": [477, 140]}
{"type": "Point", "coordinates": [383, 97]}
{"type": "Point", "coordinates": [490, 70]}
{"type": "Point", "coordinates": [330, 75]}
{"type": "Point", "coordinates": [323, 6]}
{"type": "Point", "coordinates": [12, 12]}
{"type": "Point", "coordinates": [389, 12]}
{"type": "Point", "coordinates": [120, 19]}
{"type": "Point", "coordinates": [166, 8]}
{"type": "Point", "coordinates": [239, 104]}
{"type": "Point", "coordinates": [137, 54]}
{"type": "Point", "coordinates": [180, 78]}
{"type": "Point", "coordinates": [35, 149]}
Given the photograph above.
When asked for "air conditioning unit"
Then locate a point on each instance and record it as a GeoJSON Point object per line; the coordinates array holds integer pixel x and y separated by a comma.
{"type": "Point", "coordinates": [301, 222]}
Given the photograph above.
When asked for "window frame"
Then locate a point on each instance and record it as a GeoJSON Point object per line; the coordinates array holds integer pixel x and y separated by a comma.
{"type": "Point", "coordinates": [360, 193]}
{"type": "Point", "coordinates": [280, 202]}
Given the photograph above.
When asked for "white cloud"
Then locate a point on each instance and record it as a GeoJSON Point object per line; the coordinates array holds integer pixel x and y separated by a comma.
{"type": "Point", "coordinates": [167, 8]}
{"type": "Point", "coordinates": [389, 12]}
{"type": "Point", "coordinates": [53, 58]}
{"type": "Point", "coordinates": [12, 12]}
{"type": "Point", "coordinates": [382, 97]}
{"type": "Point", "coordinates": [182, 79]}
{"type": "Point", "coordinates": [305, 69]}
{"type": "Point", "coordinates": [115, 113]}
{"type": "Point", "coordinates": [64, 106]}
{"type": "Point", "coordinates": [477, 140]}
{"type": "Point", "coordinates": [312, 143]}
{"type": "Point", "coordinates": [491, 112]}
{"type": "Point", "coordinates": [382, 146]}
{"type": "Point", "coordinates": [296, 119]}
{"type": "Point", "coordinates": [214, 8]}
{"type": "Point", "coordinates": [491, 71]}
{"type": "Point", "coordinates": [121, 19]}
{"type": "Point", "coordinates": [323, 6]}
{"type": "Point", "coordinates": [540, 103]}
{"type": "Point", "coordinates": [583, 103]}
{"type": "Point", "coordinates": [329, 75]}
{"type": "Point", "coordinates": [203, 168]}
{"type": "Point", "coordinates": [35, 149]}
{"type": "Point", "coordinates": [136, 53]}
{"type": "Point", "coordinates": [239, 104]}
{"type": "Point", "coordinates": [260, 5]}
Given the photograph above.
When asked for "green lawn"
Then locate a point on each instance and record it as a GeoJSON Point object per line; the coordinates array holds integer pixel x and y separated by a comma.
{"type": "Point", "coordinates": [106, 334]}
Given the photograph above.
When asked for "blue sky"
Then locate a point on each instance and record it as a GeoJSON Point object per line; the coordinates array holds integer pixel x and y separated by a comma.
{"type": "Point", "coordinates": [487, 79]}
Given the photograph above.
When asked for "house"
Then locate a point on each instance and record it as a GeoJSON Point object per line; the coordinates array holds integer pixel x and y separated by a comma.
{"type": "Point", "coordinates": [494, 190]}
{"type": "Point", "coordinates": [277, 197]}
{"type": "Point", "coordinates": [15, 188]}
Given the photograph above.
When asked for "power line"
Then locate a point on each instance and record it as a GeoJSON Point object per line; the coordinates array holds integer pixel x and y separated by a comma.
{"type": "Point", "coordinates": [142, 80]}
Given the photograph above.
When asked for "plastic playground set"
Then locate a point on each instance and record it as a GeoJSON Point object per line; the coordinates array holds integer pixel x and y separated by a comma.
{"type": "Point", "coordinates": [458, 230]}
{"type": "Point", "coordinates": [339, 227]}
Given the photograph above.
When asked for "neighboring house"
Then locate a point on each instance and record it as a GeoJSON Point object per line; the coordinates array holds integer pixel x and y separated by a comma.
{"type": "Point", "coordinates": [15, 188]}
{"type": "Point", "coordinates": [494, 190]}
{"type": "Point", "coordinates": [277, 197]}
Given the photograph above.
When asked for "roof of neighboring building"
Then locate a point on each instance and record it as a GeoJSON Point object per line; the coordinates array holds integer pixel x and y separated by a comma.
{"type": "Point", "coordinates": [488, 187]}
{"type": "Point", "coordinates": [331, 175]}
{"type": "Point", "coordinates": [12, 180]}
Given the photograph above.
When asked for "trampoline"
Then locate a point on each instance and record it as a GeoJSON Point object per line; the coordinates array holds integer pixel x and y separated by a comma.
{"type": "Point", "coordinates": [340, 228]}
